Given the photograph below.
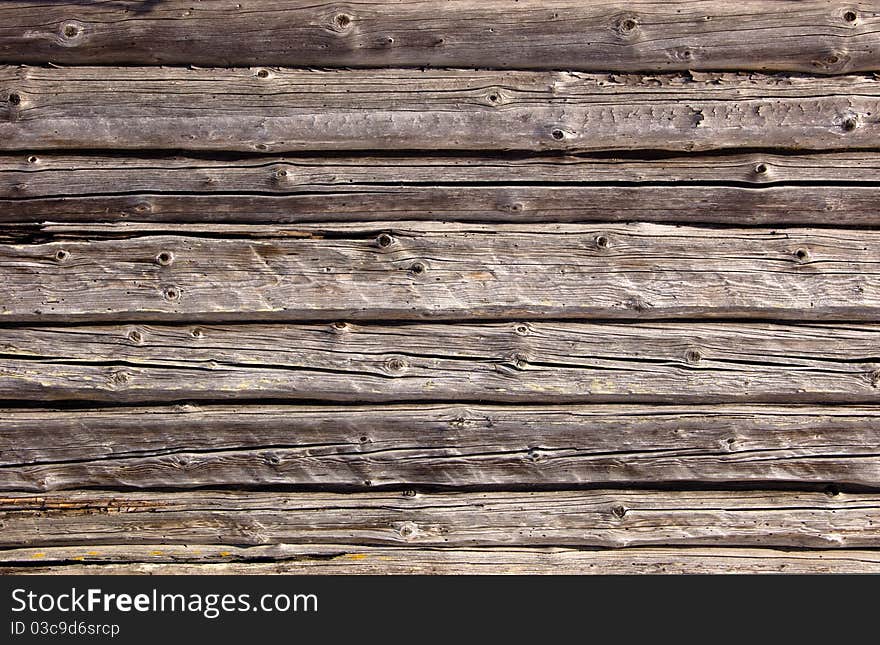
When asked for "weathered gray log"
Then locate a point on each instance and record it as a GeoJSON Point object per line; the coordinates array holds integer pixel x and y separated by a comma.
{"type": "Point", "coordinates": [436, 445]}
{"type": "Point", "coordinates": [510, 362]}
{"type": "Point", "coordinates": [414, 270]}
{"type": "Point", "coordinates": [809, 35]}
{"type": "Point", "coordinates": [593, 518]}
{"type": "Point", "coordinates": [354, 560]}
{"type": "Point", "coordinates": [735, 189]}
{"type": "Point", "coordinates": [300, 110]}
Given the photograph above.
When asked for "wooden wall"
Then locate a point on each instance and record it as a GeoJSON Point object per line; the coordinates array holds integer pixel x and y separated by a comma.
{"type": "Point", "coordinates": [463, 287]}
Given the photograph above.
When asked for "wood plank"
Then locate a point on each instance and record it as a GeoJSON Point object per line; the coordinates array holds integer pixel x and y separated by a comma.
{"type": "Point", "coordinates": [360, 560]}
{"type": "Point", "coordinates": [590, 518]}
{"type": "Point", "coordinates": [417, 270]}
{"type": "Point", "coordinates": [741, 189]}
{"type": "Point", "coordinates": [436, 445]}
{"type": "Point", "coordinates": [299, 110]}
{"type": "Point", "coordinates": [805, 35]}
{"type": "Point", "coordinates": [507, 362]}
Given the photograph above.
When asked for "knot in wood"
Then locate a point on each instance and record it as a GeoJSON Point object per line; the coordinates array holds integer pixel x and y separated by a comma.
{"type": "Point", "coordinates": [32, 159]}
{"type": "Point", "coordinates": [171, 293]}
{"type": "Point", "coordinates": [802, 255]}
{"type": "Point", "coordinates": [602, 241]}
{"type": "Point", "coordinates": [70, 30]}
{"type": "Point", "coordinates": [119, 378]}
{"type": "Point", "coordinates": [384, 240]}
{"type": "Point", "coordinates": [850, 123]}
{"type": "Point", "coordinates": [340, 326]}
{"type": "Point", "coordinates": [135, 336]}
{"type": "Point", "coordinates": [618, 511]}
{"type": "Point", "coordinates": [626, 26]}
{"type": "Point", "coordinates": [395, 365]}
{"type": "Point", "coordinates": [408, 530]}
{"type": "Point", "coordinates": [521, 329]}
{"type": "Point", "coordinates": [693, 356]}
{"type": "Point", "coordinates": [409, 493]}
{"type": "Point", "coordinates": [61, 255]}
{"type": "Point", "coordinates": [760, 168]}
{"type": "Point", "coordinates": [874, 377]}
{"type": "Point", "coordinates": [342, 22]}
{"type": "Point", "coordinates": [14, 98]}
{"type": "Point", "coordinates": [418, 268]}
{"type": "Point", "coordinates": [850, 16]}
{"type": "Point", "coordinates": [196, 333]}
{"type": "Point", "coordinates": [165, 258]}
{"type": "Point", "coordinates": [263, 73]}
{"type": "Point", "coordinates": [557, 134]}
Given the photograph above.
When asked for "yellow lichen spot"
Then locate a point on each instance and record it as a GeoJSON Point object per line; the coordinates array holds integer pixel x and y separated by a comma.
{"type": "Point", "coordinates": [92, 553]}
{"type": "Point", "coordinates": [602, 386]}
{"type": "Point", "coordinates": [38, 555]}
{"type": "Point", "coordinates": [225, 554]}
{"type": "Point", "coordinates": [356, 556]}
{"type": "Point", "coordinates": [80, 558]}
{"type": "Point", "coordinates": [155, 553]}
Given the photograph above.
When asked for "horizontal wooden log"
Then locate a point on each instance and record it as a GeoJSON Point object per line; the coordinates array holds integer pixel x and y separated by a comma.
{"type": "Point", "coordinates": [446, 271]}
{"type": "Point", "coordinates": [508, 362]}
{"type": "Point", "coordinates": [299, 110]}
{"type": "Point", "coordinates": [734, 189]}
{"type": "Point", "coordinates": [436, 445]}
{"type": "Point", "coordinates": [360, 560]}
{"type": "Point", "coordinates": [811, 35]}
{"type": "Point", "coordinates": [595, 518]}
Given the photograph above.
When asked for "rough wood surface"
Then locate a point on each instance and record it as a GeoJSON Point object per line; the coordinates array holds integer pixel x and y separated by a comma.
{"type": "Point", "coordinates": [437, 445]}
{"type": "Point", "coordinates": [592, 518]}
{"type": "Point", "coordinates": [730, 189]}
{"type": "Point", "coordinates": [446, 271]}
{"type": "Point", "coordinates": [298, 110]}
{"type": "Point", "coordinates": [812, 35]}
{"type": "Point", "coordinates": [354, 560]}
{"type": "Point", "coordinates": [536, 362]}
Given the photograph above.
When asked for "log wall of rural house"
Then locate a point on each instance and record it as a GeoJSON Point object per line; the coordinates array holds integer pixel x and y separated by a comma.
{"type": "Point", "coordinates": [548, 286]}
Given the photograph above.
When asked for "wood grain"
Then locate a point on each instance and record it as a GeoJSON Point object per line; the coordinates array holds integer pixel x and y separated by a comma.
{"type": "Point", "coordinates": [510, 362]}
{"type": "Point", "coordinates": [300, 110]}
{"type": "Point", "coordinates": [460, 445]}
{"type": "Point", "coordinates": [808, 35]}
{"type": "Point", "coordinates": [590, 518]}
{"type": "Point", "coordinates": [739, 189]}
{"type": "Point", "coordinates": [361, 560]}
{"type": "Point", "coordinates": [446, 271]}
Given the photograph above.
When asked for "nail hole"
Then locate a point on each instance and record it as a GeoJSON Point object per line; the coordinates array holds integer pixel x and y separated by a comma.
{"type": "Point", "coordinates": [850, 16]}
{"type": "Point", "coordinates": [384, 240]}
{"type": "Point", "coordinates": [70, 31]}
{"type": "Point", "coordinates": [61, 255]}
{"type": "Point", "coordinates": [557, 134]}
{"type": "Point", "coordinates": [850, 124]}
{"type": "Point", "coordinates": [15, 99]}
{"type": "Point", "coordinates": [263, 73]}
{"type": "Point", "coordinates": [417, 268]}
{"type": "Point", "coordinates": [602, 241]}
{"type": "Point", "coordinates": [135, 336]}
{"type": "Point", "coordinates": [165, 258]}
{"type": "Point", "coordinates": [761, 168]}
{"type": "Point", "coordinates": [32, 159]}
